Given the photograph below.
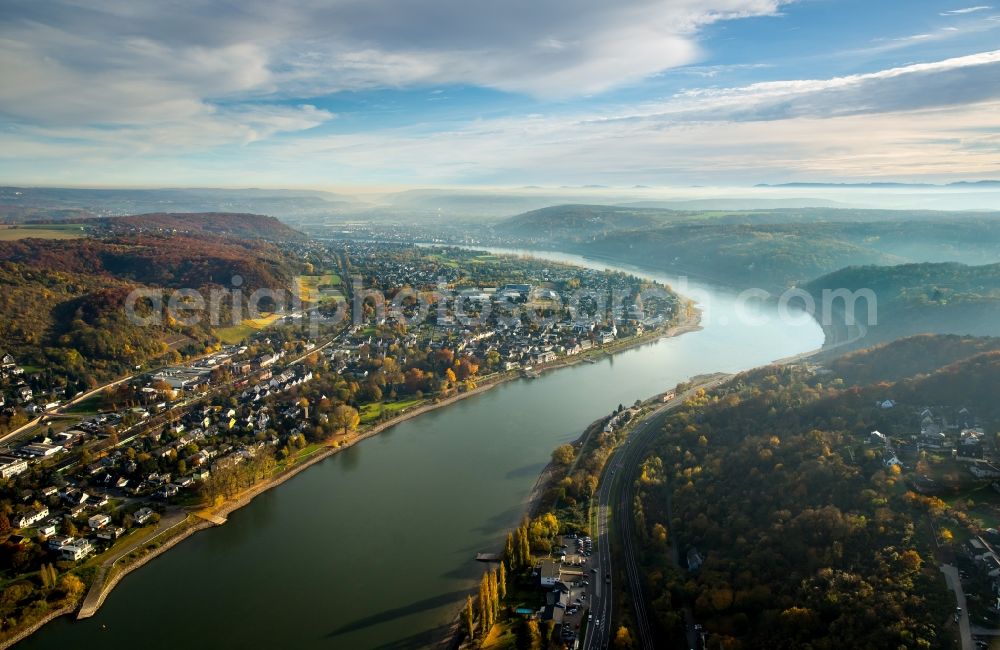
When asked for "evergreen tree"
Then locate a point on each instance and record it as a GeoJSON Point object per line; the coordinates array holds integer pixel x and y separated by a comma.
{"type": "Point", "coordinates": [502, 581]}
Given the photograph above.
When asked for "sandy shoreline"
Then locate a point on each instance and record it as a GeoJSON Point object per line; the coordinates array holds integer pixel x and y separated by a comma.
{"type": "Point", "coordinates": [692, 323]}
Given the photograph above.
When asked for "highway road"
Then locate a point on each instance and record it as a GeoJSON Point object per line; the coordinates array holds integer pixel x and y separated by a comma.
{"type": "Point", "coordinates": [615, 494]}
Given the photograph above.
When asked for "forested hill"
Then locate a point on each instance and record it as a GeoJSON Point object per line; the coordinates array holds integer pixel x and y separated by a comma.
{"type": "Point", "coordinates": [156, 258]}
{"type": "Point", "coordinates": [915, 298]}
{"type": "Point", "coordinates": [799, 532]}
{"type": "Point", "coordinates": [62, 304]}
{"type": "Point", "coordinates": [581, 222]}
{"type": "Point", "coordinates": [910, 357]}
{"type": "Point", "coordinates": [245, 226]}
{"type": "Point", "coordinates": [771, 257]}
{"type": "Point", "coordinates": [758, 248]}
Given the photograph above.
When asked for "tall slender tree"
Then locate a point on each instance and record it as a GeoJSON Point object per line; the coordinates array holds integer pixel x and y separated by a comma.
{"type": "Point", "coordinates": [467, 617]}
{"type": "Point", "coordinates": [494, 593]}
{"type": "Point", "coordinates": [508, 549]}
{"type": "Point", "coordinates": [485, 607]}
{"type": "Point", "coordinates": [502, 580]}
{"type": "Point", "coordinates": [525, 548]}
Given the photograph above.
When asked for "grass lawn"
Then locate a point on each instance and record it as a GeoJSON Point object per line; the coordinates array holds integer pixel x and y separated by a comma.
{"type": "Point", "coordinates": [985, 508]}
{"type": "Point", "coordinates": [250, 326]}
{"type": "Point", "coordinates": [371, 412]}
{"type": "Point", "coordinates": [234, 334]}
{"type": "Point", "coordinates": [48, 231]}
{"type": "Point", "coordinates": [90, 405]}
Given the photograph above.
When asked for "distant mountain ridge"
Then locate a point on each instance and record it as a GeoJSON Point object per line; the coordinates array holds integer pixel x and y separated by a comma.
{"type": "Point", "coordinates": [877, 184]}
{"type": "Point", "coordinates": [18, 204]}
{"type": "Point", "coordinates": [241, 225]}
{"type": "Point", "coordinates": [772, 248]}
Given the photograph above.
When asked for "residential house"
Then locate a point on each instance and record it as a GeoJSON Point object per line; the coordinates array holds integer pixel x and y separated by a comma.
{"type": "Point", "coordinates": [142, 516]}
{"type": "Point", "coordinates": [76, 550]}
{"type": "Point", "coordinates": [549, 573]}
{"type": "Point", "coordinates": [31, 517]}
{"type": "Point", "coordinates": [10, 466]}
{"type": "Point", "coordinates": [98, 521]}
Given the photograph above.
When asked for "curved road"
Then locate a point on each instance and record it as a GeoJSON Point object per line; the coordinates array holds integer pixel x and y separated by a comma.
{"type": "Point", "coordinates": [617, 491]}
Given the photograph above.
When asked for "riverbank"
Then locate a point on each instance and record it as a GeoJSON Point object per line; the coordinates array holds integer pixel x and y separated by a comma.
{"type": "Point", "coordinates": [37, 625]}
{"type": "Point", "coordinates": [207, 518]}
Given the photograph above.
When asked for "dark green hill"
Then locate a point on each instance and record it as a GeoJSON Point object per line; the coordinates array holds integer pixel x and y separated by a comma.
{"type": "Point", "coordinates": [947, 298]}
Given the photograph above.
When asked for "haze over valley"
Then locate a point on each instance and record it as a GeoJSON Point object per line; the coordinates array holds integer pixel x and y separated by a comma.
{"type": "Point", "coordinates": [537, 325]}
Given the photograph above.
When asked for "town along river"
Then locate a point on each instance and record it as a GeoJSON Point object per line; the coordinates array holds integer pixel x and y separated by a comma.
{"type": "Point", "coordinates": [374, 547]}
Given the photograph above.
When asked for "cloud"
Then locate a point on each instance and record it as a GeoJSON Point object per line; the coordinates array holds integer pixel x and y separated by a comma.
{"type": "Point", "coordinates": [553, 150]}
{"type": "Point", "coordinates": [957, 81]}
{"type": "Point", "coordinates": [928, 120]}
{"type": "Point", "coordinates": [966, 10]}
{"type": "Point", "coordinates": [196, 93]}
{"type": "Point", "coordinates": [68, 62]}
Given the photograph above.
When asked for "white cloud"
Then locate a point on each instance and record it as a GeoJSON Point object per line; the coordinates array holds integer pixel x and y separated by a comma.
{"type": "Point", "coordinates": [69, 62]}
{"type": "Point", "coordinates": [966, 10]}
{"type": "Point", "coordinates": [850, 127]}
{"type": "Point", "coordinates": [956, 81]}
{"type": "Point", "coordinates": [655, 150]}
{"type": "Point", "coordinates": [132, 89]}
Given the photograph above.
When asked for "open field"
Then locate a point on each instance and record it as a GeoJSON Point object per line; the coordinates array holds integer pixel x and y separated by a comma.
{"type": "Point", "coordinates": [250, 326]}
{"type": "Point", "coordinates": [47, 231]}
{"type": "Point", "coordinates": [320, 289]}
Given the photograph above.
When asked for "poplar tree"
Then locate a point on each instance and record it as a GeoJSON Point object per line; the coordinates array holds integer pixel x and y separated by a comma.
{"type": "Point", "coordinates": [467, 616]}
{"type": "Point", "coordinates": [485, 607]}
{"type": "Point", "coordinates": [494, 593]}
{"type": "Point", "coordinates": [508, 549]}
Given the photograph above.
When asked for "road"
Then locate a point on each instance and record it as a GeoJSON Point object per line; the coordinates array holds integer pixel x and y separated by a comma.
{"type": "Point", "coordinates": [955, 584]}
{"type": "Point", "coordinates": [615, 492]}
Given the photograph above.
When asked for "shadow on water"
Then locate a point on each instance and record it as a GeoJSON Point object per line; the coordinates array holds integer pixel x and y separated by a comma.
{"type": "Point", "coordinates": [398, 612]}
{"type": "Point", "coordinates": [420, 640]}
{"type": "Point", "coordinates": [501, 522]}
{"type": "Point", "coordinates": [350, 458]}
{"type": "Point", "coordinates": [533, 469]}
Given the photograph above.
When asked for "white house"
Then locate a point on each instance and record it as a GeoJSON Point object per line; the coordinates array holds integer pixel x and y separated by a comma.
{"type": "Point", "coordinates": [10, 466]}
{"type": "Point", "coordinates": [76, 550]}
{"type": "Point", "coordinates": [549, 573]}
{"type": "Point", "coordinates": [98, 521]}
{"type": "Point", "coordinates": [32, 517]}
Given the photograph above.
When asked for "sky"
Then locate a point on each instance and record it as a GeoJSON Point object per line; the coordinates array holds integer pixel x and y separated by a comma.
{"type": "Point", "coordinates": [396, 93]}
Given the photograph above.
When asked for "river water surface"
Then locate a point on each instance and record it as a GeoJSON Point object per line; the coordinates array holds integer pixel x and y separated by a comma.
{"type": "Point", "coordinates": [374, 547]}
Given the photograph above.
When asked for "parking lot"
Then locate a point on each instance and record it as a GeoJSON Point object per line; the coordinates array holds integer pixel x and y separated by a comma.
{"type": "Point", "coordinates": [580, 575]}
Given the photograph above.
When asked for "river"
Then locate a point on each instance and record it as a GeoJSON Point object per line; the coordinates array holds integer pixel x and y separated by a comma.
{"type": "Point", "coordinates": [374, 547]}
